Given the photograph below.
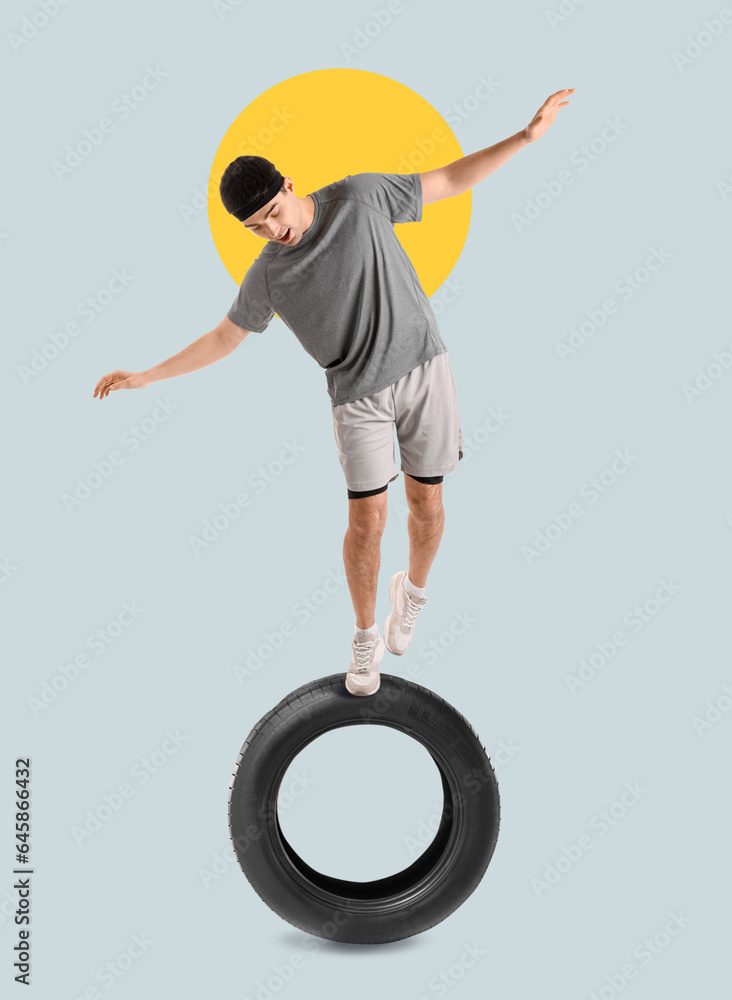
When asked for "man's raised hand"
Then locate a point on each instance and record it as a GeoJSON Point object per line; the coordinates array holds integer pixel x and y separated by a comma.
{"type": "Point", "coordinates": [546, 114]}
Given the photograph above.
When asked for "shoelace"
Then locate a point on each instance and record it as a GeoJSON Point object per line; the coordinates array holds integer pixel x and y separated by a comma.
{"type": "Point", "coordinates": [410, 612]}
{"type": "Point", "coordinates": [363, 650]}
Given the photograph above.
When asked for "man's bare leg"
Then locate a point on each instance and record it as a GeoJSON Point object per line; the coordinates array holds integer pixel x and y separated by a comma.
{"type": "Point", "coordinates": [362, 554]}
{"type": "Point", "coordinates": [425, 525]}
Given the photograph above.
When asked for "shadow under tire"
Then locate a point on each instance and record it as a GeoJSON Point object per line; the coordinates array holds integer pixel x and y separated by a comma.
{"type": "Point", "coordinates": [386, 909]}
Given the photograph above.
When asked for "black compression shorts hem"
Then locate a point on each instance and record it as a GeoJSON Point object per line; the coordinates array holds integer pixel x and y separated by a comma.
{"type": "Point", "coordinates": [356, 494]}
{"type": "Point", "coordinates": [431, 480]}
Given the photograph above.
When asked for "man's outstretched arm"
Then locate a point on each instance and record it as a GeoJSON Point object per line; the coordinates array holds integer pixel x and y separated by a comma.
{"type": "Point", "coordinates": [212, 346]}
{"type": "Point", "coordinates": [455, 178]}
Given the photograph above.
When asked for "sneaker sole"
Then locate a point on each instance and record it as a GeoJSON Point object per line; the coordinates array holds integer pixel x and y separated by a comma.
{"type": "Point", "coordinates": [363, 692]}
{"type": "Point", "coordinates": [392, 598]}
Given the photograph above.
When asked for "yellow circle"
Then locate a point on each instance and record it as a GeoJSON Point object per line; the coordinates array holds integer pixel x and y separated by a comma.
{"type": "Point", "coordinates": [319, 126]}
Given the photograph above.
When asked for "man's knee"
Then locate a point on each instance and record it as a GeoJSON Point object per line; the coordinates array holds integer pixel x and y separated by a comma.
{"type": "Point", "coordinates": [424, 498]}
{"type": "Point", "coordinates": [367, 512]}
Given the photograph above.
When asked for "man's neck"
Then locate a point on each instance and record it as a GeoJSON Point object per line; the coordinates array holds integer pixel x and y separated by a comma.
{"type": "Point", "coordinates": [308, 212]}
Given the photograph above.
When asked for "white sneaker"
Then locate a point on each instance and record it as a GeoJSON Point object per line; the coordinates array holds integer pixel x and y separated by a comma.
{"type": "Point", "coordinates": [399, 626]}
{"type": "Point", "coordinates": [366, 655]}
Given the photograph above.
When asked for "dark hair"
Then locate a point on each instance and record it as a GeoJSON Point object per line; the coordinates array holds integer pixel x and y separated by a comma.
{"type": "Point", "coordinates": [245, 178]}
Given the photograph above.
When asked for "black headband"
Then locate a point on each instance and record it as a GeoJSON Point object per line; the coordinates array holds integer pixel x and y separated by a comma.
{"type": "Point", "coordinates": [246, 210]}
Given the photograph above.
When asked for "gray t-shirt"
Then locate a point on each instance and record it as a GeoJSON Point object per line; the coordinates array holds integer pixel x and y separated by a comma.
{"type": "Point", "coordinates": [348, 290]}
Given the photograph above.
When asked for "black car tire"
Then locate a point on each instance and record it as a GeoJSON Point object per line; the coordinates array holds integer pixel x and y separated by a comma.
{"type": "Point", "coordinates": [387, 909]}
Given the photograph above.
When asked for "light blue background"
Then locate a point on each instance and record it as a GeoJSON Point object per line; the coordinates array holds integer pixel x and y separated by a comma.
{"type": "Point", "coordinates": [663, 182]}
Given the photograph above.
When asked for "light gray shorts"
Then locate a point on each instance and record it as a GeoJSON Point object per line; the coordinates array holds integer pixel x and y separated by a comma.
{"type": "Point", "coordinates": [423, 406]}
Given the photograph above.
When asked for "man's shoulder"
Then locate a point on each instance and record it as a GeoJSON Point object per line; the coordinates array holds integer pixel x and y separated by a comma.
{"type": "Point", "coordinates": [350, 185]}
{"type": "Point", "coordinates": [265, 255]}
{"type": "Point", "coordinates": [398, 197]}
{"type": "Point", "coordinates": [333, 191]}
{"type": "Point", "coordinates": [254, 276]}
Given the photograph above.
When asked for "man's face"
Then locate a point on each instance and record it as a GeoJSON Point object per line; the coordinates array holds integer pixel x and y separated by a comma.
{"type": "Point", "coordinates": [280, 220]}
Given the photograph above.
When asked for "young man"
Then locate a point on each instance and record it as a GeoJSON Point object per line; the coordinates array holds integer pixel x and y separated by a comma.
{"type": "Point", "coordinates": [338, 277]}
